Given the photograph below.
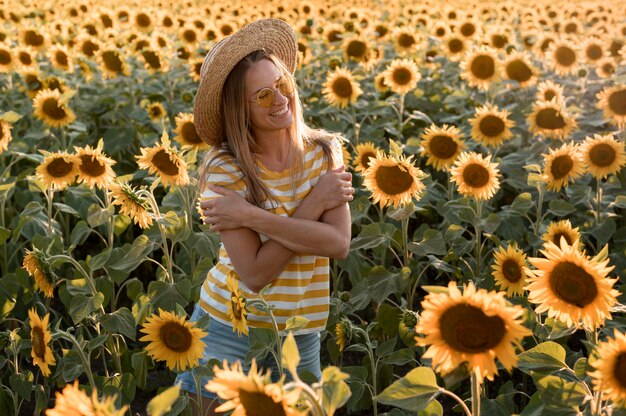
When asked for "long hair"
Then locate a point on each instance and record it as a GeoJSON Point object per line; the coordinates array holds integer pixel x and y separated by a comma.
{"type": "Point", "coordinates": [239, 143]}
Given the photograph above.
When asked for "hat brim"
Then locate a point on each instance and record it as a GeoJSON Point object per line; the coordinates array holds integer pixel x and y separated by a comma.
{"type": "Point", "coordinates": [273, 35]}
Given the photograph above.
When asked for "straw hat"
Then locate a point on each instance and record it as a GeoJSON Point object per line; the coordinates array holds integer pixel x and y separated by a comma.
{"type": "Point", "coordinates": [273, 35]}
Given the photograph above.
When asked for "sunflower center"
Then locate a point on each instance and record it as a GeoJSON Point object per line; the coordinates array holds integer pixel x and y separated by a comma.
{"type": "Point", "coordinates": [39, 343]}
{"type": "Point", "coordinates": [518, 70]}
{"type": "Point", "coordinates": [468, 29]}
{"type": "Point", "coordinates": [491, 126]}
{"type": "Point", "coordinates": [356, 49]}
{"type": "Point", "coordinates": [53, 110]}
{"type": "Point", "coordinates": [175, 336]}
{"type": "Point", "coordinates": [33, 38]}
{"type": "Point", "coordinates": [565, 56]}
{"type": "Point", "coordinates": [608, 68]}
{"type": "Point", "coordinates": [619, 371]}
{"type": "Point", "coordinates": [89, 48]}
{"type": "Point", "coordinates": [25, 58]}
{"type": "Point", "coordinates": [5, 57]}
{"type": "Point", "coordinates": [572, 284]}
{"type": "Point", "coordinates": [475, 175]}
{"type": "Point", "coordinates": [402, 76]}
{"type": "Point", "coordinates": [143, 20]}
{"type": "Point", "coordinates": [602, 155]}
{"type": "Point", "coordinates": [443, 147]}
{"type": "Point", "coordinates": [594, 52]}
{"type": "Point", "coordinates": [550, 119]}
{"type": "Point", "coordinates": [190, 35]}
{"type": "Point", "coordinates": [365, 158]}
{"type": "Point", "coordinates": [334, 36]}
{"type": "Point", "coordinates": [393, 180]}
{"type": "Point", "coordinates": [189, 133]}
{"type": "Point", "coordinates": [257, 403]}
{"type": "Point", "coordinates": [511, 270]}
{"type": "Point", "coordinates": [440, 32]}
{"type": "Point", "coordinates": [91, 166]}
{"type": "Point", "coordinates": [405, 40]}
{"type": "Point", "coordinates": [164, 163]}
{"type": "Point", "coordinates": [557, 239]}
{"type": "Point", "coordinates": [549, 95]}
{"type": "Point", "coordinates": [61, 58]}
{"type": "Point", "coordinates": [483, 67]}
{"type": "Point", "coordinates": [59, 168]}
{"type": "Point", "coordinates": [112, 61]}
{"type": "Point", "coordinates": [561, 166]}
{"type": "Point", "coordinates": [455, 45]}
{"type": "Point", "coordinates": [342, 87]}
{"type": "Point", "coordinates": [499, 41]}
{"type": "Point", "coordinates": [155, 111]}
{"type": "Point", "coordinates": [152, 59]}
{"type": "Point", "coordinates": [617, 102]}
{"type": "Point", "coordinates": [468, 329]}
{"type": "Point", "coordinates": [235, 306]}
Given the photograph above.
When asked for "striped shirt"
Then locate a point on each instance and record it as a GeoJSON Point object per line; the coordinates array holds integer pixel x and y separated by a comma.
{"type": "Point", "coordinates": [302, 288]}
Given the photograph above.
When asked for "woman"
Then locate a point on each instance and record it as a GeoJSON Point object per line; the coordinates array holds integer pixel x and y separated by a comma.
{"type": "Point", "coordinates": [274, 189]}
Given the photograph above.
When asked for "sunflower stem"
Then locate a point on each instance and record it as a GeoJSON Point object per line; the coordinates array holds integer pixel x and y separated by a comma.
{"type": "Point", "coordinates": [312, 397]}
{"type": "Point", "coordinates": [538, 216]}
{"type": "Point", "coordinates": [475, 395]}
{"type": "Point", "coordinates": [79, 350]}
{"type": "Point", "coordinates": [479, 212]}
{"type": "Point", "coordinates": [405, 241]}
{"type": "Point", "coordinates": [457, 399]}
{"type": "Point", "coordinates": [279, 347]}
{"type": "Point", "coordinates": [49, 198]}
{"type": "Point", "coordinates": [165, 248]}
{"type": "Point", "coordinates": [598, 200]}
{"type": "Point", "coordinates": [401, 114]}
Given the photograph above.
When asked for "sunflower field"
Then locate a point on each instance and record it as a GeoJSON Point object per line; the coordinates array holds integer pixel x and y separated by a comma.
{"type": "Point", "coordinates": [488, 257]}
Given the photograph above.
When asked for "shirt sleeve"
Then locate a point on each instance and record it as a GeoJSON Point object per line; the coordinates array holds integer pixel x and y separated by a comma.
{"type": "Point", "coordinates": [223, 172]}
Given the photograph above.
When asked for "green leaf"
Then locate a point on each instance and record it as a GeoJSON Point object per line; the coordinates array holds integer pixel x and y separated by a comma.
{"type": "Point", "coordinates": [163, 402]}
{"type": "Point", "coordinates": [140, 361]}
{"type": "Point", "coordinates": [522, 203]}
{"type": "Point", "coordinates": [434, 408]}
{"type": "Point", "coordinates": [604, 231]}
{"type": "Point", "coordinates": [559, 394]}
{"type": "Point", "coordinates": [560, 208]}
{"type": "Point", "coordinates": [79, 233]}
{"type": "Point", "coordinates": [620, 201]}
{"type": "Point", "coordinates": [260, 342]}
{"type": "Point", "coordinates": [22, 383]}
{"type": "Point", "coordinates": [99, 260]}
{"type": "Point", "coordinates": [97, 341]}
{"type": "Point", "coordinates": [335, 391]}
{"type": "Point", "coordinates": [141, 247]}
{"type": "Point", "coordinates": [120, 322]}
{"type": "Point", "coordinates": [96, 215]}
{"type": "Point", "coordinates": [432, 243]}
{"type": "Point", "coordinates": [412, 392]}
{"type": "Point", "coordinates": [81, 306]}
{"type": "Point", "coordinates": [10, 116]}
{"type": "Point", "coordinates": [290, 355]}
{"type": "Point", "coordinates": [400, 357]}
{"type": "Point", "coordinates": [296, 323]}
{"type": "Point", "coordinates": [168, 295]}
{"type": "Point", "coordinates": [382, 283]}
{"type": "Point", "coordinates": [547, 357]}
{"type": "Point", "coordinates": [5, 233]}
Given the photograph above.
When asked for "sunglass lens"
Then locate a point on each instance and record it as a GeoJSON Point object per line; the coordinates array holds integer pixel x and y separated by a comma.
{"type": "Point", "coordinates": [285, 86]}
{"type": "Point", "coordinates": [265, 98]}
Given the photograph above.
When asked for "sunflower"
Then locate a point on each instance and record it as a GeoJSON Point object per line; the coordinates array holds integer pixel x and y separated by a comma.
{"type": "Point", "coordinates": [5, 135]}
{"type": "Point", "coordinates": [333, 33]}
{"type": "Point", "coordinates": [51, 109]}
{"type": "Point", "coordinates": [548, 91]}
{"type": "Point", "coordinates": [33, 38]}
{"type": "Point", "coordinates": [189, 35]}
{"type": "Point", "coordinates": [468, 28]}
{"type": "Point", "coordinates": [355, 48]}
{"type": "Point", "coordinates": [551, 120]}
{"type": "Point", "coordinates": [25, 58]}
{"type": "Point", "coordinates": [561, 229]}
{"type": "Point", "coordinates": [613, 101]}
{"type": "Point", "coordinates": [7, 59]}
{"type": "Point", "coordinates": [609, 376]}
{"type": "Point", "coordinates": [237, 306]}
{"type": "Point", "coordinates": [57, 170]}
{"type": "Point", "coordinates": [572, 287]}
{"type": "Point", "coordinates": [593, 49]}
{"type": "Point", "coordinates": [61, 58]}
{"type": "Point", "coordinates": [195, 65]}
{"type": "Point", "coordinates": [112, 62]}
{"type": "Point", "coordinates": [475, 175]}
{"type": "Point", "coordinates": [251, 394]}
{"type": "Point", "coordinates": [605, 67]}
{"type": "Point", "coordinates": [510, 270]}
{"type": "Point", "coordinates": [480, 67]}
{"type": "Point", "coordinates": [153, 61]}
{"type": "Point", "coordinates": [40, 339]}
{"type": "Point", "coordinates": [364, 151]}
{"type": "Point", "coordinates": [405, 40]}
{"type": "Point", "coordinates": [94, 167]}
{"type": "Point", "coordinates": [455, 46]}
{"type": "Point", "coordinates": [563, 57]}
{"type": "Point", "coordinates": [518, 67]}
{"type": "Point", "coordinates": [562, 166]}
{"type": "Point", "coordinates": [74, 402]}
{"type": "Point", "coordinates": [473, 327]}
{"type": "Point", "coordinates": [155, 111]}
{"type": "Point", "coordinates": [343, 332]}
{"type": "Point", "coordinates": [402, 76]}
{"type": "Point", "coordinates": [36, 268]}
{"type": "Point", "coordinates": [603, 155]}
{"type": "Point", "coordinates": [142, 21]}
{"type": "Point", "coordinates": [491, 126]}
{"type": "Point", "coordinates": [439, 29]}
{"type": "Point", "coordinates": [442, 145]}
{"type": "Point", "coordinates": [131, 204]}
{"type": "Point", "coordinates": [186, 133]}
{"type": "Point", "coordinates": [393, 180]}
{"type": "Point", "coordinates": [379, 83]}
{"type": "Point", "coordinates": [340, 88]}
{"type": "Point", "coordinates": [173, 339]}
{"type": "Point", "coordinates": [498, 38]}
{"type": "Point", "coordinates": [166, 162]}
{"type": "Point", "coordinates": [87, 45]}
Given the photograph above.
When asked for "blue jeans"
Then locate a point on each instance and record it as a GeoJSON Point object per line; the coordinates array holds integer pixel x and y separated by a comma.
{"type": "Point", "coordinates": [224, 344]}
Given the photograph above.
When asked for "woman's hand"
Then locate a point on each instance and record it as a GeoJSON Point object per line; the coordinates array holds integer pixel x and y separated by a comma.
{"type": "Point", "coordinates": [227, 212]}
{"type": "Point", "coordinates": [333, 188]}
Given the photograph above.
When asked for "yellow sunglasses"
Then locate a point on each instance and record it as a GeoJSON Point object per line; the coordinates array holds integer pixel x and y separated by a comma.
{"type": "Point", "coordinates": [265, 97]}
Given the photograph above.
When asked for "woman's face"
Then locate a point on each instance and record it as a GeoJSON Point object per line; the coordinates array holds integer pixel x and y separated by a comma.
{"type": "Point", "coordinates": [264, 74]}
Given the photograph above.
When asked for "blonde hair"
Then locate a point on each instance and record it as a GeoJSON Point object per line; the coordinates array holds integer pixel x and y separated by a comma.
{"type": "Point", "coordinates": [239, 143]}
